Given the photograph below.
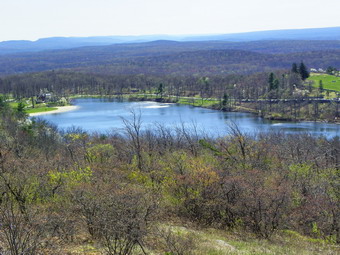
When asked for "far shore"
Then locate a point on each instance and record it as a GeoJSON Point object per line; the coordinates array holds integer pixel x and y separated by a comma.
{"type": "Point", "coordinates": [59, 109]}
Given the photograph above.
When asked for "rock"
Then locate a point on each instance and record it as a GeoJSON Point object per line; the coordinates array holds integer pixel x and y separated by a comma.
{"type": "Point", "coordinates": [224, 244]}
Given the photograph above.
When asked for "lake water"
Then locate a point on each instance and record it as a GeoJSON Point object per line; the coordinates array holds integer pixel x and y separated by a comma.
{"type": "Point", "coordinates": [103, 115]}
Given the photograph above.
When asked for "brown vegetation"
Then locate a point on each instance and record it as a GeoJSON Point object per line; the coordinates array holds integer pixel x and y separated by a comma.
{"type": "Point", "coordinates": [60, 189]}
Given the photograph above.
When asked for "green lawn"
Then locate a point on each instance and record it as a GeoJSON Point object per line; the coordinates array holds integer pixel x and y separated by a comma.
{"type": "Point", "coordinates": [329, 81]}
{"type": "Point", "coordinates": [29, 110]}
{"type": "Point", "coordinates": [198, 101]}
{"type": "Point", "coordinates": [40, 109]}
{"type": "Point", "coordinates": [13, 104]}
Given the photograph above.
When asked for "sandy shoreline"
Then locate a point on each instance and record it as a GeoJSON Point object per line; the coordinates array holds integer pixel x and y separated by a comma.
{"type": "Point", "coordinates": [60, 109]}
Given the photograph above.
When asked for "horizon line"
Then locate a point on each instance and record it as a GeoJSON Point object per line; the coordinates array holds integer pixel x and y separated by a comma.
{"type": "Point", "coordinates": [174, 35]}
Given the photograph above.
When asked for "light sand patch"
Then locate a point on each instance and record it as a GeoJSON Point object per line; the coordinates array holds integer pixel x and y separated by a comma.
{"type": "Point", "coordinates": [60, 109]}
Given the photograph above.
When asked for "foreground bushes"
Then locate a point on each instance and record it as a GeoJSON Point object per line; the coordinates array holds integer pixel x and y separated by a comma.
{"type": "Point", "coordinates": [56, 188]}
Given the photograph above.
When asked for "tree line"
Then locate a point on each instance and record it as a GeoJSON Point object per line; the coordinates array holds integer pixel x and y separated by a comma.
{"type": "Point", "coordinates": [256, 92]}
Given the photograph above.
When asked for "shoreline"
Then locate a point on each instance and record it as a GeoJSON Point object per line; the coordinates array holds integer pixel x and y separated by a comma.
{"type": "Point", "coordinates": [165, 101]}
{"type": "Point", "coordinates": [241, 109]}
{"type": "Point", "coordinates": [60, 109]}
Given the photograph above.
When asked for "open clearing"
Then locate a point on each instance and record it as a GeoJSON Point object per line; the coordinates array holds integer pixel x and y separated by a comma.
{"type": "Point", "coordinates": [330, 82]}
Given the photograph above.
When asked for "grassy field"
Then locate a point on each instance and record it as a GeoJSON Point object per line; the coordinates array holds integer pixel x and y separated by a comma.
{"type": "Point", "coordinates": [29, 109]}
{"type": "Point", "coordinates": [40, 109]}
{"type": "Point", "coordinates": [198, 102]}
{"type": "Point", "coordinates": [330, 82]}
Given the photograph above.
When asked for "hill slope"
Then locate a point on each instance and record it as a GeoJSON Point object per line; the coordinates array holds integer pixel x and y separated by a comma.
{"type": "Point", "coordinates": [169, 57]}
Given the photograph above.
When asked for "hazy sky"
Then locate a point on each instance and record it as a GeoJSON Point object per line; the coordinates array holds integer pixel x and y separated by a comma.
{"type": "Point", "coordinates": [33, 19]}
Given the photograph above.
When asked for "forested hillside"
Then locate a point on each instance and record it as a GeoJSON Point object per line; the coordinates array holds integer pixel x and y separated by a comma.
{"type": "Point", "coordinates": [169, 57]}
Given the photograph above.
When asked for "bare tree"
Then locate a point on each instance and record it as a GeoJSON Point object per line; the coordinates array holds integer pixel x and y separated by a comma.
{"type": "Point", "coordinates": [133, 129]}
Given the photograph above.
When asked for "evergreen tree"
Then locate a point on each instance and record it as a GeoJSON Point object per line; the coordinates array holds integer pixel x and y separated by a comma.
{"type": "Point", "coordinates": [331, 70]}
{"type": "Point", "coordinates": [21, 107]}
{"type": "Point", "coordinates": [3, 104]}
{"type": "Point", "coordinates": [271, 79]}
{"type": "Point", "coordinates": [21, 113]}
{"type": "Point", "coordinates": [303, 71]}
{"type": "Point", "coordinates": [320, 86]}
{"type": "Point", "coordinates": [160, 89]}
{"type": "Point", "coordinates": [276, 84]}
{"type": "Point", "coordinates": [295, 68]}
{"type": "Point", "coordinates": [225, 100]}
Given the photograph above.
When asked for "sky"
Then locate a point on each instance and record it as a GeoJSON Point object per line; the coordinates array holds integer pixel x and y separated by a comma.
{"type": "Point", "coordinates": [34, 19]}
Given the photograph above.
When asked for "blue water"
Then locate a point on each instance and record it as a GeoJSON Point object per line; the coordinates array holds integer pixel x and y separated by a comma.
{"type": "Point", "coordinates": [103, 115]}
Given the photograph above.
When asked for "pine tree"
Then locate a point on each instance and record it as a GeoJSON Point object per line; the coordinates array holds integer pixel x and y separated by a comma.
{"type": "Point", "coordinates": [330, 70]}
{"type": "Point", "coordinates": [160, 89]}
{"type": "Point", "coordinates": [303, 71]}
{"type": "Point", "coordinates": [320, 86]}
{"type": "Point", "coordinates": [225, 100]}
{"type": "Point", "coordinates": [21, 107]}
{"type": "Point", "coordinates": [276, 84]}
{"type": "Point", "coordinates": [271, 79]}
{"type": "Point", "coordinates": [295, 68]}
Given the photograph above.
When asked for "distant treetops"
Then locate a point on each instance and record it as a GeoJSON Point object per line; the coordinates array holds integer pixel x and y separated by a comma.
{"type": "Point", "coordinates": [302, 70]}
{"type": "Point", "coordinates": [331, 70]}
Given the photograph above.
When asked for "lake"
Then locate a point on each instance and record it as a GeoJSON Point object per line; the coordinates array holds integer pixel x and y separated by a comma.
{"type": "Point", "coordinates": [103, 115]}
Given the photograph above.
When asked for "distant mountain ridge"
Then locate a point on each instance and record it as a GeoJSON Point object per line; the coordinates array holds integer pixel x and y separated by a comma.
{"type": "Point", "coordinates": [178, 58]}
{"type": "Point", "coordinates": [330, 33]}
{"type": "Point", "coordinates": [59, 43]}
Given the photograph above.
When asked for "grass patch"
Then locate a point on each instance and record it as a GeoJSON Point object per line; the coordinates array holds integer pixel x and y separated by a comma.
{"type": "Point", "coordinates": [330, 82]}
{"type": "Point", "coordinates": [13, 104]}
{"type": "Point", "coordinates": [198, 102]}
{"type": "Point", "coordinates": [41, 109]}
{"type": "Point", "coordinates": [209, 241]}
{"type": "Point", "coordinates": [29, 109]}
